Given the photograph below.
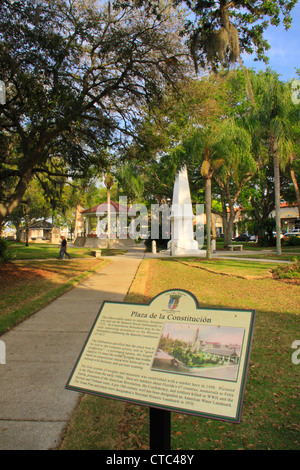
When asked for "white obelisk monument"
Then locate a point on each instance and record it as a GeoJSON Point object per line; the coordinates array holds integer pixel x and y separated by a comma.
{"type": "Point", "coordinates": [182, 229]}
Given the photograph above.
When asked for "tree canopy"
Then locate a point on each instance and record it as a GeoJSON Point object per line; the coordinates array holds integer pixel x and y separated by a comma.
{"type": "Point", "coordinates": [80, 76]}
{"type": "Point", "coordinates": [219, 32]}
{"type": "Point", "coordinates": [76, 75]}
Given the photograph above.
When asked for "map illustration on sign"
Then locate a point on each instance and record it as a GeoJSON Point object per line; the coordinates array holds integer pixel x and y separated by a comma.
{"type": "Point", "coordinates": [203, 351]}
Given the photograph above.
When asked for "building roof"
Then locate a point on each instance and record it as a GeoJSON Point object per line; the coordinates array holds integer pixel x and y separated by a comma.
{"type": "Point", "coordinates": [103, 207]}
{"type": "Point", "coordinates": [221, 352]}
{"type": "Point", "coordinates": [41, 224]}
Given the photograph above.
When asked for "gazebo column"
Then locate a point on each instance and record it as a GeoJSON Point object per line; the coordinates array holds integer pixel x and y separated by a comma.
{"type": "Point", "coordinates": [131, 228]}
{"type": "Point", "coordinates": [98, 226]}
{"type": "Point", "coordinates": [87, 225]}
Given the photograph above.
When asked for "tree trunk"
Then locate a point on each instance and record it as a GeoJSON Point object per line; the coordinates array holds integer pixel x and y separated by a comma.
{"type": "Point", "coordinates": [228, 227]}
{"type": "Point", "coordinates": [26, 232]}
{"type": "Point", "coordinates": [108, 218]}
{"type": "Point", "coordinates": [277, 202]}
{"type": "Point", "coordinates": [18, 231]}
{"type": "Point", "coordinates": [227, 232]}
{"type": "Point", "coordinates": [32, 156]}
{"type": "Point", "coordinates": [20, 189]}
{"type": "Point", "coordinates": [296, 186]}
{"type": "Point", "coordinates": [208, 216]}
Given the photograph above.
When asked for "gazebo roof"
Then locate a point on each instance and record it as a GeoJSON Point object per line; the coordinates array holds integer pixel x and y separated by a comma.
{"type": "Point", "coordinates": [103, 207]}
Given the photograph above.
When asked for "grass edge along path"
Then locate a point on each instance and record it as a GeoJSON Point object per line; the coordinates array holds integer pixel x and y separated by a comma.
{"type": "Point", "coordinates": [20, 314]}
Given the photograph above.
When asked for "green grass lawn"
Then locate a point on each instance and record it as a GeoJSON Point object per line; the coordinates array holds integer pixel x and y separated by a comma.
{"type": "Point", "coordinates": [254, 251]}
{"type": "Point", "coordinates": [27, 286]}
{"type": "Point", "coordinates": [51, 251]}
{"type": "Point", "coordinates": [241, 269]}
{"type": "Point", "coordinates": [19, 251]}
{"type": "Point", "coordinates": [270, 417]}
{"type": "Point", "coordinates": [36, 276]}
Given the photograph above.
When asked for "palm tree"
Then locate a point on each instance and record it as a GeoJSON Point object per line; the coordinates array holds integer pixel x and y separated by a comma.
{"type": "Point", "coordinates": [271, 118]}
{"type": "Point", "coordinates": [294, 156]}
{"type": "Point", "coordinates": [224, 150]}
{"type": "Point", "coordinates": [208, 141]}
{"type": "Point", "coordinates": [295, 182]}
{"type": "Point", "coordinates": [238, 168]}
{"type": "Point", "coordinates": [280, 149]}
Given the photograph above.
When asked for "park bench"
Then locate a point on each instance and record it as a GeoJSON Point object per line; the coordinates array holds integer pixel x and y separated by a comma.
{"type": "Point", "coordinates": [232, 247]}
{"type": "Point", "coordinates": [96, 253]}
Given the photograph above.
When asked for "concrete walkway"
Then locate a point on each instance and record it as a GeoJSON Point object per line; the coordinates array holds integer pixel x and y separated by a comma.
{"type": "Point", "coordinates": [245, 255]}
{"type": "Point", "coordinates": [41, 353]}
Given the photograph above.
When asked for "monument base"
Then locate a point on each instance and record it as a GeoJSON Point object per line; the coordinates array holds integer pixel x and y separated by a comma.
{"type": "Point", "coordinates": [185, 248]}
{"type": "Point", "coordinates": [188, 253]}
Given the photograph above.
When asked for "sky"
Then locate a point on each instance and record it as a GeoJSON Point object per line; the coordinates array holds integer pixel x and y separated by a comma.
{"type": "Point", "coordinates": [222, 334]}
{"type": "Point", "coordinates": [284, 55]}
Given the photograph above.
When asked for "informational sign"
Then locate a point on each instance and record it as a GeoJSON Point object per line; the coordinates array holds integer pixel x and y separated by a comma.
{"type": "Point", "coordinates": [170, 354]}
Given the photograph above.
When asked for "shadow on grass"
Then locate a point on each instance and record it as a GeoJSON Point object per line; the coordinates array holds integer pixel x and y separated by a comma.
{"type": "Point", "coordinates": [27, 289]}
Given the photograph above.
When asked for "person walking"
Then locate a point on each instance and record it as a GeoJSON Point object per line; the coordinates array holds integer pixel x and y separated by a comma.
{"type": "Point", "coordinates": [63, 248]}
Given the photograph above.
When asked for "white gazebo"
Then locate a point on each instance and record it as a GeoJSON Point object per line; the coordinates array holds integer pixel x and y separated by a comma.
{"type": "Point", "coordinates": [105, 226]}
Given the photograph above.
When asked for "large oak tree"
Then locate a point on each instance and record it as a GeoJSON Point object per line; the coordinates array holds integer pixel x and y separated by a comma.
{"type": "Point", "coordinates": [76, 73]}
{"type": "Point", "coordinates": [219, 32]}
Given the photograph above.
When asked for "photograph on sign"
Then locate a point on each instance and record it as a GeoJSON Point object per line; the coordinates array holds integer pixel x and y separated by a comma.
{"type": "Point", "coordinates": [203, 351]}
{"type": "Point", "coordinates": [169, 354]}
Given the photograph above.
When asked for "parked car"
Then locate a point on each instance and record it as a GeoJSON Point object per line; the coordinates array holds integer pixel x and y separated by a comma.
{"type": "Point", "coordinates": [253, 238]}
{"type": "Point", "coordinates": [292, 233]}
{"type": "Point", "coordinates": [244, 237]}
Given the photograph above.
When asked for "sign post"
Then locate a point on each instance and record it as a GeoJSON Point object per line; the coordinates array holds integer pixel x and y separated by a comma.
{"type": "Point", "coordinates": [169, 355]}
{"type": "Point", "coordinates": [160, 429]}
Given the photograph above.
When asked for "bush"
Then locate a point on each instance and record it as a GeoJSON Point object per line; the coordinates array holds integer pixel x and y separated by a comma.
{"type": "Point", "coordinates": [267, 241]}
{"type": "Point", "coordinates": [292, 241]}
{"type": "Point", "coordinates": [291, 271]}
{"type": "Point", "coordinates": [5, 254]}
